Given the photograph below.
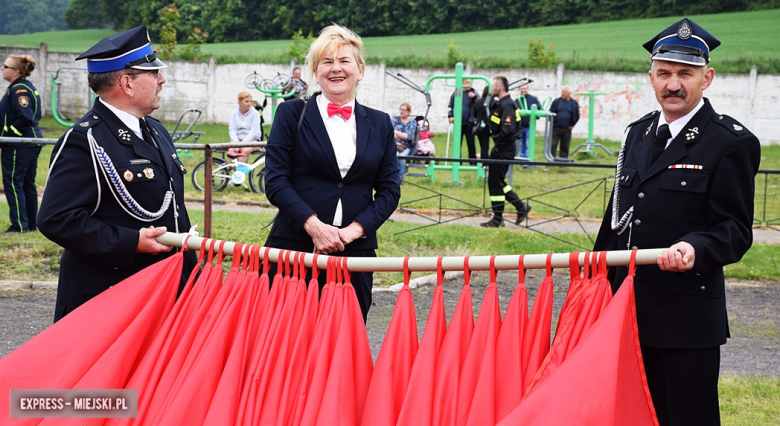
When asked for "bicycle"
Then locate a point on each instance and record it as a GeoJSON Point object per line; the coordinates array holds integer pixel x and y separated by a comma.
{"type": "Point", "coordinates": [234, 172]}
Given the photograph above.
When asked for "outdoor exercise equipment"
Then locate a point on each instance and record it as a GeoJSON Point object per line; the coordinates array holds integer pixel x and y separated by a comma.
{"type": "Point", "coordinates": [270, 87]}
{"type": "Point", "coordinates": [457, 108]}
{"type": "Point", "coordinates": [56, 110]}
{"type": "Point", "coordinates": [590, 144]}
{"type": "Point", "coordinates": [405, 80]}
{"type": "Point", "coordinates": [180, 135]}
{"type": "Point", "coordinates": [534, 113]}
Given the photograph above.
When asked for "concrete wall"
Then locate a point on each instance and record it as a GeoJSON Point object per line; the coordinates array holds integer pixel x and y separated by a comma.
{"type": "Point", "coordinates": [750, 98]}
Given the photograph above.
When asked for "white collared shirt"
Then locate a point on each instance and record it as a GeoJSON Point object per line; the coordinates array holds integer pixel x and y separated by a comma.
{"type": "Point", "coordinates": [343, 137]}
{"type": "Point", "coordinates": [677, 125]}
{"type": "Point", "coordinates": [128, 119]}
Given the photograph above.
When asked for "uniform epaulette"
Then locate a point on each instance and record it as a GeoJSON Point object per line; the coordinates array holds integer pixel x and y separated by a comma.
{"type": "Point", "coordinates": [648, 116]}
{"type": "Point", "coordinates": [86, 123]}
{"type": "Point", "coordinates": [733, 125]}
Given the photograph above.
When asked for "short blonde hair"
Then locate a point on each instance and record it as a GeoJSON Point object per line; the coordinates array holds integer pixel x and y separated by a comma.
{"type": "Point", "coordinates": [243, 95]}
{"type": "Point", "coordinates": [330, 40]}
{"type": "Point", "coordinates": [408, 107]}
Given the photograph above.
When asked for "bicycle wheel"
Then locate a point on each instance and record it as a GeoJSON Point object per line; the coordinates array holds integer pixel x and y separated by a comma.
{"type": "Point", "coordinates": [220, 175]}
{"type": "Point", "coordinates": [257, 180]}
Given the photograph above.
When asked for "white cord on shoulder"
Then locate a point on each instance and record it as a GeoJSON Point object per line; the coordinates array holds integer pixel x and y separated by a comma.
{"type": "Point", "coordinates": [118, 189]}
{"type": "Point", "coordinates": [620, 225]}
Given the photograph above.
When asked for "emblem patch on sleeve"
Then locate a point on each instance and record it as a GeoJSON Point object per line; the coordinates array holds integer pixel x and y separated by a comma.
{"type": "Point", "coordinates": [24, 101]}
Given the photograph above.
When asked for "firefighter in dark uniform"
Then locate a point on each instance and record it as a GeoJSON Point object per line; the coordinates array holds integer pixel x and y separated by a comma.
{"type": "Point", "coordinates": [685, 180]}
{"type": "Point", "coordinates": [20, 111]}
{"type": "Point", "coordinates": [115, 181]}
{"type": "Point", "coordinates": [504, 128]}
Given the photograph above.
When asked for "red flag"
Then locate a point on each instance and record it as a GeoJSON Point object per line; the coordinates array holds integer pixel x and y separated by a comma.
{"type": "Point", "coordinates": [344, 397]}
{"type": "Point", "coordinates": [224, 404]}
{"type": "Point", "coordinates": [476, 391]}
{"type": "Point", "coordinates": [451, 357]}
{"type": "Point", "coordinates": [196, 336]}
{"type": "Point", "coordinates": [536, 341]}
{"type": "Point", "coordinates": [602, 382]}
{"type": "Point", "coordinates": [312, 387]}
{"type": "Point", "coordinates": [189, 399]}
{"type": "Point", "coordinates": [417, 408]}
{"type": "Point", "coordinates": [509, 350]}
{"type": "Point", "coordinates": [130, 314]}
{"type": "Point", "coordinates": [260, 348]}
{"type": "Point", "coordinates": [278, 411]}
{"type": "Point", "coordinates": [394, 363]}
{"type": "Point", "coordinates": [282, 341]}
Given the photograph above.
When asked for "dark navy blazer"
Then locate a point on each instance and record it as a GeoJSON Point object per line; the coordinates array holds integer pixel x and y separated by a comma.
{"type": "Point", "coordinates": [303, 178]}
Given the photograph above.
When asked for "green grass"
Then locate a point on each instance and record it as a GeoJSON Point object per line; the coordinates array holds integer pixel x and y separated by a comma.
{"type": "Point", "coordinates": [750, 401]}
{"type": "Point", "coordinates": [749, 38]}
{"type": "Point", "coordinates": [527, 182]}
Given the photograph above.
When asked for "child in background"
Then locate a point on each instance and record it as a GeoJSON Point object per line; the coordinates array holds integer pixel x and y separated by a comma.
{"type": "Point", "coordinates": [425, 145]}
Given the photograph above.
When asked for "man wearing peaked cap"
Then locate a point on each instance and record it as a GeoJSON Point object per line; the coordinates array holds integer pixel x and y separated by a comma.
{"type": "Point", "coordinates": [113, 173]}
{"type": "Point", "coordinates": [685, 180]}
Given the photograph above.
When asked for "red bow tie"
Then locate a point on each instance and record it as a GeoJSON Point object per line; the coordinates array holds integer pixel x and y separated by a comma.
{"type": "Point", "coordinates": [345, 112]}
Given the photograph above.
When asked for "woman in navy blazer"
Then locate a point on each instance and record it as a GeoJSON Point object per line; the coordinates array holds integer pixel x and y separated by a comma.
{"type": "Point", "coordinates": [336, 180]}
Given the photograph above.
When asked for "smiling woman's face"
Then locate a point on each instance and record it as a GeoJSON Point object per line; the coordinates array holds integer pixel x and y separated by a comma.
{"type": "Point", "coordinates": [338, 76]}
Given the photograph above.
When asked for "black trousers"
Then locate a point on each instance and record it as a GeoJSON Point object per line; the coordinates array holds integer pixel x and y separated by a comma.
{"type": "Point", "coordinates": [484, 145]}
{"type": "Point", "coordinates": [562, 134]}
{"type": "Point", "coordinates": [363, 282]}
{"type": "Point", "coordinates": [465, 130]}
{"type": "Point", "coordinates": [684, 385]}
{"type": "Point", "coordinates": [19, 168]}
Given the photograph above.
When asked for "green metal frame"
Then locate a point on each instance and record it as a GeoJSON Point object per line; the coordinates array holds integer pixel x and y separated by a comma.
{"type": "Point", "coordinates": [457, 109]}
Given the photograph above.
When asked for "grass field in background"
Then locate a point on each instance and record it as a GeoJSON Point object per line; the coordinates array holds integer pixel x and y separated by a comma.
{"type": "Point", "coordinates": [527, 182]}
{"type": "Point", "coordinates": [748, 38]}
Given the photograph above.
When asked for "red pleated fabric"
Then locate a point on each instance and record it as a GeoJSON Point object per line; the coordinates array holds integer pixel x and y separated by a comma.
{"type": "Point", "coordinates": [190, 398]}
{"type": "Point", "coordinates": [277, 410]}
{"type": "Point", "coordinates": [156, 359]}
{"type": "Point", "coordinates": [350, 373]}
{"type": "Point", "coordinates": [509, 349]}
{"type": "Point", "coordinates": [602, 383]}
{"type": "Point", "coordinates": [262, 346]}
{"type": "Point", "coordinates": [417, 407]}
{"type": "Point", "coordinates": [394, 363]}
{"type": "Point", "coordinates": [312, 387]}
{"type": "Point", "coordinates": [191, 343]}
{"type": "Point", "coordinates": [224, 404]}
{"type": "Point", "coordinates": [452, 355]}
{"type": "Point", "coordinates": [131, 313]}
{"type": "Point", "coordinates": [282, 341]}
{"type": "Point", "coordinates": [476, 392]}
{"type": "Point", "coordinates": [536, 342]}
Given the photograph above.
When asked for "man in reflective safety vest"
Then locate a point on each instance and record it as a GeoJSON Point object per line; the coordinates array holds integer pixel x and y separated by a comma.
{"type": "Point", "coordinates": [504, 125]}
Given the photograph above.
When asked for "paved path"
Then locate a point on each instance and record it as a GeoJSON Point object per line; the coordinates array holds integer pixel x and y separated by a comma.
{"type": "Point", "coordinates": [544, 224]}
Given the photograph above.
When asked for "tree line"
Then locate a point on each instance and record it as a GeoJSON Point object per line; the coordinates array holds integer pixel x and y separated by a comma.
{"type": "Point", "coordinates": [244, 20]}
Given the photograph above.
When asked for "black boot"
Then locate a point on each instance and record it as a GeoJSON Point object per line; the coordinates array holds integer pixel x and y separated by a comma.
{"type": "Point", "coordinates": [498, 216]}
{"type": "Point", "coordinates": [522, 214]}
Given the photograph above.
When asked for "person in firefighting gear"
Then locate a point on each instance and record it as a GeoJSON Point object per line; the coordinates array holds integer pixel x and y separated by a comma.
{"type": "Point", "coordinates": [504, 126]}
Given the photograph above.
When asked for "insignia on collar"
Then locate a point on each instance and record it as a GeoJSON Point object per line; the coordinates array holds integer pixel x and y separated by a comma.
{"type": "Point", "coordinates": [692, 133]}
{"type": "Point", "coordinates": [123, 134]}
{"type": "Point", "coordinates": [684, 31]}
{"type": "Point", "coordinates": [647, 132]}
{"type": "Point", "coordinates": [95, 117]}
{"type": "Point", "coordinates": [128, 175]}
{"type": "Point", "coordinates": [84, 124]}
{"type": "Point", "coordinates": [737, 127]}
{"type": "Point", "coordinates": [149, 173]}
